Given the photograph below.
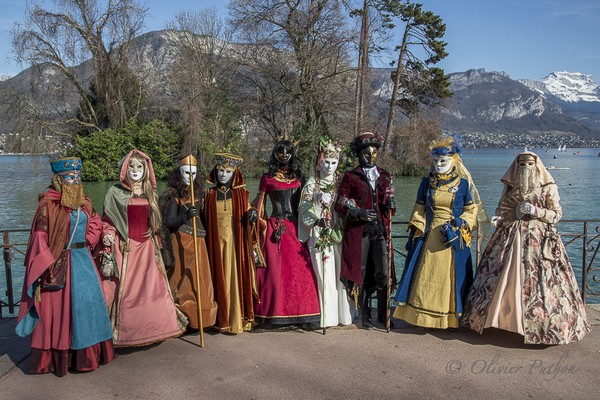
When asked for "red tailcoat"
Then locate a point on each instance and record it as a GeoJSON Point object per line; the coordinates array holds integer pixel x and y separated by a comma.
{"type": "Point", "coordinates": [355, 188]}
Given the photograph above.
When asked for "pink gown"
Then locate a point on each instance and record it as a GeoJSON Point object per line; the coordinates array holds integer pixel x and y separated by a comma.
{"type": "Point", "coordinates": [140, 303]}
{"type": "Point", "coordinates": [287, 286]}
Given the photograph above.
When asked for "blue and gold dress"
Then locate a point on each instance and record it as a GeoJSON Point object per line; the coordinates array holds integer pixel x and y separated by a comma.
{"type": "Point", "coordinates": [437, 277]}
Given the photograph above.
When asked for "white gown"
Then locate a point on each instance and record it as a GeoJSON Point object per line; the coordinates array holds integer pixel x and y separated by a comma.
{"type": "Point", "coordinates": [336, 307]}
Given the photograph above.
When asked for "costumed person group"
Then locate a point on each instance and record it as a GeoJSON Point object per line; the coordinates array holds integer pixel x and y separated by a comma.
{"type": "Point", "coordinates": [62, 306]}
{"type": "Point", "coordinates": [136, 288]}
{"type": "Point", "coordinates": [178, 244]}
{"type": "Point", "coordinates": [321, 228]}
{"type": "Point", "coordinates": [438, 270]}
{"type": "Point", "coordinates": [525, 281]}
{"type": "Point", "coordinates": [287, 284]}
{"type": "Point", "coordinates": [366, 201]}
{"type": "Point", "coordinates": [228, 218]}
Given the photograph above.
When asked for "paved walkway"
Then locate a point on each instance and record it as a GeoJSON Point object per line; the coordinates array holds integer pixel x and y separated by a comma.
{"type": "Point", "coordinates": [346, 363]}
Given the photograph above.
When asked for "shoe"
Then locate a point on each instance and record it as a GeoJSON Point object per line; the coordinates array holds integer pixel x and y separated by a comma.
{"type": "Point", "coordinates": [367, 324]}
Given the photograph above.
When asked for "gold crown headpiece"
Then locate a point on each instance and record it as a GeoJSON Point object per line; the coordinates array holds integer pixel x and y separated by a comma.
{"type": "Point", "coordinates": [228, 161]}
{"type": "Point", "coordinates": [187, 160]}
{"type": "Point", "coordinates": [292, 139]}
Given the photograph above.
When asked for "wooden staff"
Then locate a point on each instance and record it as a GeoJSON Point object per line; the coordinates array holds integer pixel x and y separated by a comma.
{"type": "Point", "coordinates": [390, 249]}
{"type": "Point", "coordinates": [323, 259]}
{"type": "Point", "coordinates": [198, 300]}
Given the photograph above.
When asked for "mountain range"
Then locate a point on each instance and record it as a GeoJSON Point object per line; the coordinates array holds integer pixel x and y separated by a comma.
{"type": "Point", "coordinates": [489, 108]}
{"type": "Point", "coordinates": [562, 107]}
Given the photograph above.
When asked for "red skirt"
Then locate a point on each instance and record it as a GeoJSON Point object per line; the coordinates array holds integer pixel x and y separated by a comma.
{"type": "Point", "coordinates": [287, 286]}
{"type": "Point", "coordinates": [60, 361]}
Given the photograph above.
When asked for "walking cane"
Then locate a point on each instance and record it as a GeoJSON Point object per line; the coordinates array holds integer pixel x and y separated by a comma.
{"type": "Point", "coordinates": [199, 301]}
{"type": "Point", "coordinates": [390, 249]}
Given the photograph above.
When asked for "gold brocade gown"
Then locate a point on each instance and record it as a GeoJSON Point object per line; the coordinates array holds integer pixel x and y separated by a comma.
{"type": "Point", "coordinates": [230, 267]}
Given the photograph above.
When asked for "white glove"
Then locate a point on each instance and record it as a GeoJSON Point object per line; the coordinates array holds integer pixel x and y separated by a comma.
{"type": "Point", "coordinates": [496, 220]}
{"type": "Point", "coordinates": [527, 208]}
{"type": "Point", "coordinates": [107, 271]}
{"type": "Point", "coordinates": [325, 198]}
{"type": "Point", "coordinates": [108, 265]}
{"type": "Point", "coordinates": [108, 240]}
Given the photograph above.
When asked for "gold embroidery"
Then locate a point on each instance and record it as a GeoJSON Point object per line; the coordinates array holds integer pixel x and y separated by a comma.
{"type": "Point", "coordinates": [281, 177]}
{"type": "Point", "coordinates": [41, 223]}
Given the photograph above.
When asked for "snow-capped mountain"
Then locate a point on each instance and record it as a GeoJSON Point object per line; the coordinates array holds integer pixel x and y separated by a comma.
{"type": "Point", "coordinates": [570, 87]}
{"type": "Point", "coordinates": [493, 102]}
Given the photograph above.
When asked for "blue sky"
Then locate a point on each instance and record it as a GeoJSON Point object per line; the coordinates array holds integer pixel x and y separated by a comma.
{"type": "Point", "coordinates": [525, 38]}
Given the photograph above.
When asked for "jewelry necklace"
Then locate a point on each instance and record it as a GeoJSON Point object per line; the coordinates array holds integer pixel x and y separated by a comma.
{"type": "Point", "coordinates": [224, 190]}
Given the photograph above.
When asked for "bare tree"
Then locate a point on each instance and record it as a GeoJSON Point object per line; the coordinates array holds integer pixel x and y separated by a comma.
{"type": "Point", "coordinates": [201, 77]}
{"type": "Point", "coordinates": [298, 61]}
{"type": "Point", "coordinates": [362, 68]}
{"type": "Point", "coordinates": [375, 28]}
{"type": "Point", "coordinates": [71, 32]}
{"type": "Point", "coordinates": [410, 142]}
{"type": "Point", "coordinates": [28, 129]}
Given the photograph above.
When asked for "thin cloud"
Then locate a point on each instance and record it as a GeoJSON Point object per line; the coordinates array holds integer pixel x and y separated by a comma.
{"type": "Point", "coordinates": [582, 11]}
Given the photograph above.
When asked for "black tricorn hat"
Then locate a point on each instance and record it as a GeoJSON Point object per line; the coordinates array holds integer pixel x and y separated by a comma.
{"type": "Point", "coordinates": [364, 140]}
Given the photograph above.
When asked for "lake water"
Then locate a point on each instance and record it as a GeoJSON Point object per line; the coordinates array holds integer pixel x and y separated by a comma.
{"type": "Point", "coordinates": [23, 177]}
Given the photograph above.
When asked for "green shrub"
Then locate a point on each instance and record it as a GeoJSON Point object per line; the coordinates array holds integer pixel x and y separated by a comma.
{"type": "Point", "coordinates": [102, 151]}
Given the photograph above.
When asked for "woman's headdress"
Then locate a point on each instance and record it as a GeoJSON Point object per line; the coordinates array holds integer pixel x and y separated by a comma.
{"type": "Point", "coordinates": [187, 160]}
{"type": "Point", "coordinates": [447, 145]}
{"type": "Point", "coordinates": [327, 148]}
{"type": "Point", "coordinates": [228, 161]}
{"type": "Point", "coordinates": [66, 164]}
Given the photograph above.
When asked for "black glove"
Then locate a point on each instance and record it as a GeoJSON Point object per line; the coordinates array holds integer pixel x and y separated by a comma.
{"type": "Point", "coordinates": [361, 214]}
{"type": "Point", "coordinates": [391, 205]}
{"type": "Point", "coordinates": [252, 215]}
{"type": "Point", "coordinates": [191, 212]}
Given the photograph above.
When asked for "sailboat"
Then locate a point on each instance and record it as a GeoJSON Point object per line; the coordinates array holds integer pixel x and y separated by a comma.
{"type": "Point", "coordinates": [563, 148]}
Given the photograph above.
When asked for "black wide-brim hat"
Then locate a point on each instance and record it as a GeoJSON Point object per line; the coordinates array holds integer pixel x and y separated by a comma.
{"type": "Point", "coordinates": [364, 140]}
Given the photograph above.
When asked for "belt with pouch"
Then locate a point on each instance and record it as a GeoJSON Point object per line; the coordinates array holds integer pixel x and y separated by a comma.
{"type": "Point", "coordinates": [77, 245]}
{"type": "Point", "coordinates": [188, 229]}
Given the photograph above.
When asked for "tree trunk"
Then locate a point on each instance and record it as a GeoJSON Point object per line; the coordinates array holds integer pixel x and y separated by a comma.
{"type": "Point", "coordinates": [395, 88]}
{"type": "Point", "coordinates": [362, 71]}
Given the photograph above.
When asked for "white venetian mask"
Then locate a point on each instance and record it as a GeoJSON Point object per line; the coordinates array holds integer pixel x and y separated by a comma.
{"type": "Point", "coordinates": [186, 171]}
{"type": "Point", "coordinates": [329, 166]}
{"type": "Point", "coordinates": [442, 164]}
{"type": "Point", "coordinates": [224, 175]}
{"type": "Point", "coordinates": [135, 170]}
